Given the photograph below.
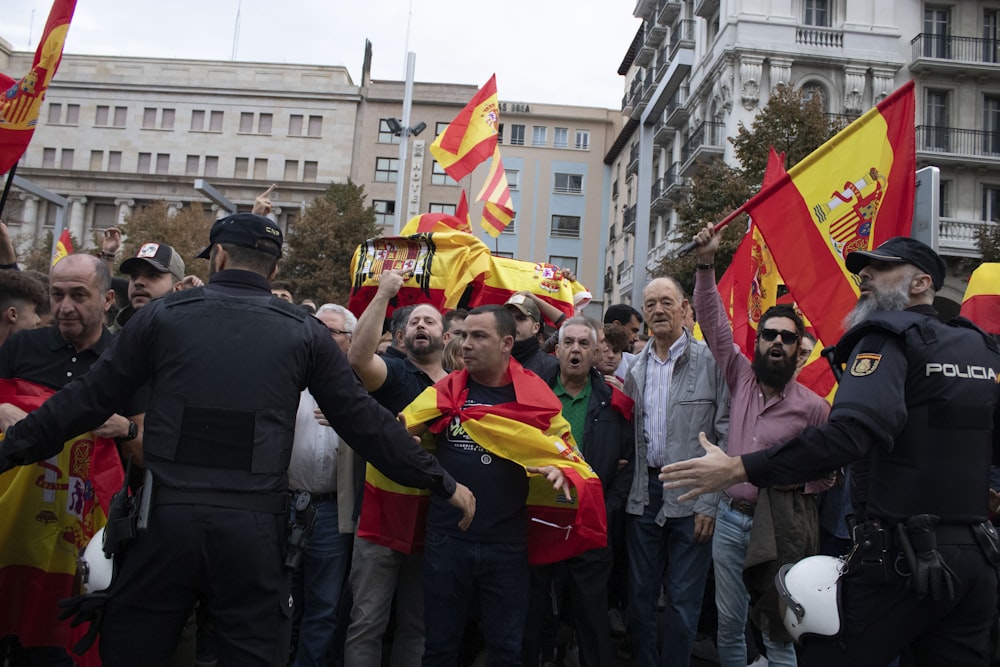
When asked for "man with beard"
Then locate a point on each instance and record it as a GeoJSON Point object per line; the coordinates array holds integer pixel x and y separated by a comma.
{"type": "Point", "coordinates": [917, 413]}
{"type": "Point", "coordinates": [767, 407]}
{"type": "Point", "coordinates": [155, 270]}
{"type": "Point", "coordinates": [378, 572]}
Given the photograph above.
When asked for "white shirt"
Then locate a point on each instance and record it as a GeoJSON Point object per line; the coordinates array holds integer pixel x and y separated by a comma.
{"type": "Point", "coordinates": [313, 466]}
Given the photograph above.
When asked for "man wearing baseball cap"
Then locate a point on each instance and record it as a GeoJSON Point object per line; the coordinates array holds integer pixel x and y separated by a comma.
{"type": "Point", "coordinates": [155, 270]}
{"type": "Point", "coordinates": [915, 414]}
{"type": "Point", "coordinates": [527, 350]}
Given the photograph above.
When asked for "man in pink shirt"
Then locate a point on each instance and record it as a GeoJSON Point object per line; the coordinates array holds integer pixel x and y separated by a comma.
{"type": "Point", "coordinates": [768, 407]}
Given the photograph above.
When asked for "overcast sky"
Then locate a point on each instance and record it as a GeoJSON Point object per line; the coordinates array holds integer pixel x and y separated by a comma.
{"type": "Point", "coordinates": [554, 51]}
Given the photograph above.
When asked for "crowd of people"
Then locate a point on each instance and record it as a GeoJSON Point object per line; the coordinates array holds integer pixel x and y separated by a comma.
{"type": "Point", "coordinates": [326, 485]}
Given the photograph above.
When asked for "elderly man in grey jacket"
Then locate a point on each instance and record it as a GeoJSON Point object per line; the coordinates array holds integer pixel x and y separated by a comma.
{"type": "Point", "coordinates": [678, 392]}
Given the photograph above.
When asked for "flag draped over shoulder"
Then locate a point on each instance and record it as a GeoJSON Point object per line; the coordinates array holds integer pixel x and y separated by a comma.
{"type": "Point", "coordinates": [63, 247]}
{"type": "Point", "coordinates": [498, 210]}
{"type": "Point", "coordinates": [853, 192]}
{"type": "Point", "coordinates": [21, 101]}
{"type": "Point", "coordinates": [981, 302]}
{"type": "Point", "coordinates": [545, 281]}
{"type": "Point", "coordinates": [48, 512]}
{"type": "Point", "coordinates": [471, 137]}
{"type": "Point", "coordinates": [531, 432]}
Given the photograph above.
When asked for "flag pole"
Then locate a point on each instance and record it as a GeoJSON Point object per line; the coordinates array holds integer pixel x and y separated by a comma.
{"type": "Point", "coordinates": [6, 187]}
{"type": "Point", "coordinates": [691, 245]}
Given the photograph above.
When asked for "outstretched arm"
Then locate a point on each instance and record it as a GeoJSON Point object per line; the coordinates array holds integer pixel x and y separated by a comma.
{"type": "Point", "coordinates": [364, 343]}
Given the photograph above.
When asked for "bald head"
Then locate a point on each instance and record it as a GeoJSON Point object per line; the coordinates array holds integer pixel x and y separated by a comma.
{"type": "Point", "coordinates": [80, 294]}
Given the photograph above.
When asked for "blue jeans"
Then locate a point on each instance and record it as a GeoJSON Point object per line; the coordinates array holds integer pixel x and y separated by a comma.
{"type": "Point", "coordinates": [455, 570]}
{"type": "Point", "coordinates": [729, 551]}
{"type": "Point", "coordinates": [317, 586]}
{"type": "Point", "coordinates": [664, 554]}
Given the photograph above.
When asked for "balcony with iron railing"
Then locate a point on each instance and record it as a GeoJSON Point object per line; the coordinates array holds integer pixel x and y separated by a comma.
{"type": "Point", "coordinates": [628, 220]}
{"type": "Point", "coordinates": [654, 33]}
{"type": "Point", "coordinates": [819, 37]}
{"type": "Point", "coordinates": [955, 145]}
{"type": "Point", "coordinates": [682, 36]}
{"type": "Point", "coordinates": [667, 11]}
{"type": "Point", "coordinates": [706, 8]}
{"type": "Point", "coordinates": [704, 142]}
{"type": "Point", "coordinates": [658, 197]}
{"type": "Point", "coordinates": [625, 280]}
{"type": "Point", "coordinates": [676, 112]}
{"type": "Point", "coordinates": [947, 53]}
{"type": "Point", "coordinates": [632, 166]}
{"type": "Point", "coordinates": [663, 134]}
{"type": "Point", "coordinates": [673, 182]}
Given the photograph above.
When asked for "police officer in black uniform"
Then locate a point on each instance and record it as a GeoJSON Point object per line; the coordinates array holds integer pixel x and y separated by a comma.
{"type": "Point", "coordinates": [226, 364]}
{"type": "Point", "coordinates": [917, 411]}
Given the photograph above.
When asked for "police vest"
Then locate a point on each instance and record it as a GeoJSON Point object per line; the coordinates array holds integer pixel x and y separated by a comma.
{"type": "Point", "coordinates": [939, 462]}
{"type": "Point", "coordinates": [226, 374]}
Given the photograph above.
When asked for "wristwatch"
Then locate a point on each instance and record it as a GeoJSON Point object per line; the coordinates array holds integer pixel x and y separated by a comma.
{"type": "Point", "coordinates": [133, 431]}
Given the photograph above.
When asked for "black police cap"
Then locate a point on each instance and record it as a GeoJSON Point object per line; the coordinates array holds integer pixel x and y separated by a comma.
{"type": "Point", "coordinates": [901, 250]}
{"type": "Point", "coordinates": [245, 230]}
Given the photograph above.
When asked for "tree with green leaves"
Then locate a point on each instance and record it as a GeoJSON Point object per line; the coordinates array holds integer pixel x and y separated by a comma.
{"type": "Point", "coordinates": [988, 240]}
{"type": "Point", "coordinates": [791, 124]}
{"type": "Point", "coordinates": [322, 241]}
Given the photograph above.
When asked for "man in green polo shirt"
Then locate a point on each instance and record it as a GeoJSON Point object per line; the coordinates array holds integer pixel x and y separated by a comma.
{"type": "Point", "coordinates": [599, 416]}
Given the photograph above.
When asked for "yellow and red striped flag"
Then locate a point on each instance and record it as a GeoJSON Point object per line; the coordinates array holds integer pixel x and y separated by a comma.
{"type": "Point", "coordinates": [498, 209]}
{"type": "Point", "coordinates": [546, 281]}
{"type": "Point", "coordinates": [462, 213]}
{"type": "Point", "coordinates": [63, 247]}
{"type": "Point", "coordinates": [530, 431]}
{"type": "Point", "coordinates": [470, 138]}
{"type": "Point", "coordinates": [21, 101]}
{"type": "Point", "coordinates": [852, 193]}
{"type": "Point", "coordinates": [981, 302]}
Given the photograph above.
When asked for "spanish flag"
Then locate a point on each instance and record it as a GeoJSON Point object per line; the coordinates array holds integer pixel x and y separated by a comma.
{"type": "Point", "coordinates": [853, 192]}
{"type": "Point", "coordinates": [498, 209]}
{"type": "Point", "coordinates": [531, 432]}
{"type": "Point", "coordinates": [546, 281]}
{"type": "Point", "coordinates": [981, 302]}
{"type": "Point", "coordinates": [63, 247]}
{"type": "Point", "coordinates": [48, 512]}
{"type": "Point", "coordinates": [471, 137]}
{"type": "Point", "coordinates": [21, 101]}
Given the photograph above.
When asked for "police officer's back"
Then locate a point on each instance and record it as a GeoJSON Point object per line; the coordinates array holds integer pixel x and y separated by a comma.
{"type": "Point", "coordinates": [226, 364]}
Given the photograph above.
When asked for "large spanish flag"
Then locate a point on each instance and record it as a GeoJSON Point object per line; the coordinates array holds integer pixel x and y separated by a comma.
{"type": "Point", "coordinates": [21, 102]}
{"type": "Point", "coordinates": [498, 210]}
{"type": "Point", "coordinates": [531, 432]}
{"type": "Point", "coordinates": [546, 281]}
{"type": "Point", "coordinates": [853, 192]}
{"type": "Point", "coordinates": [981, 302]}
{"type": "Point", "coordinates": [470, 138]}
{"type": "Point", "coordinates": [48, 512]}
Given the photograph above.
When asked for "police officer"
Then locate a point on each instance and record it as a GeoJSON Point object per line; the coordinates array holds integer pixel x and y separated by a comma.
{"type": "Point", "coordinates": [916, 411]}
{"type": "Point", "coordinates": [226, 363]}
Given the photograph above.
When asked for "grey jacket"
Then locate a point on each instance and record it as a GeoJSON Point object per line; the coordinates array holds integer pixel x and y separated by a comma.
{"type": "Point", "coordinates": [699, 401]}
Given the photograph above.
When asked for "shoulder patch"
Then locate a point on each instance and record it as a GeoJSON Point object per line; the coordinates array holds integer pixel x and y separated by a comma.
{"type": "Point", "coordinates": [865, 364]}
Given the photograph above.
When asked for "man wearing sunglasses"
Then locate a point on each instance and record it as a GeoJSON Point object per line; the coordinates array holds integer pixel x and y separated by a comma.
{"type": "Point", "coordinates": [916, 415]}
{"type": "Point", "coordinates": [768, 407]}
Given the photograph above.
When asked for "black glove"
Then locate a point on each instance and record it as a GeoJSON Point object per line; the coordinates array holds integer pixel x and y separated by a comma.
{"type": "Point", "coordinates": [929, 571]}
{"type": "Point", "coordinates": [84, 608]}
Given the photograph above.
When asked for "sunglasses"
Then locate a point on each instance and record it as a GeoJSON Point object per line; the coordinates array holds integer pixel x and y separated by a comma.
{"type": "Point", "coordinates": [787, 337]}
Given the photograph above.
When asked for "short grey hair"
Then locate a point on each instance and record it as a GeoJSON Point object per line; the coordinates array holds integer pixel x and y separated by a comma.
{"type": "Point", "coordinates": [350, 321]}
{"type": "Point", "coordinates": [581, 321]}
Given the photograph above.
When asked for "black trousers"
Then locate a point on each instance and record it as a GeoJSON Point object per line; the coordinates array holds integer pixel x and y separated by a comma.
{"type": "Point", "coordinates": [881, 621]}
{"type": "Point", "coordinates": [231, 560]}
{"type": "Point", "coordinates": [580, 586]}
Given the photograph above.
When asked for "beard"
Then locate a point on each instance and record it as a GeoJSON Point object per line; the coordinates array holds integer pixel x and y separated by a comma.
{"type": "Point", "coordinates": [774, 373]}
{"type": "Point", "coordinates": [895, 297]}
{"type": "Point", "coordinates": [433, 346]}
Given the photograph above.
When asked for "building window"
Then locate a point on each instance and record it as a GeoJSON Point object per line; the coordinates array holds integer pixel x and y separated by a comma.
{"type": "Point", "coordinates": [936, 120]}
{"type": "Point", "coordinates": [96, 160]}
{"type": "Point", "coordinates": [215, 122]}
{"type": "Point", "coordinates": [513, 178]}
{"type": "Point", "coordinates": [315, 126]}
{"type": "Point", "coordinates": [539, 135]}
{"type": "Point", "coordinates": [385, 135]}
{"type": "Point", "coordinates": [582, 140]}
{"type": "Point", "coordinates": [242, 167]}
{"type": "Point", "coordinates": [121, 116]}
{"type": "Point", "coordinates": [102, 116]}
{"type": "Point", "coordinates": [114, 160]}
{"type": "Point", "coordinates": [197, 120]}
{"type": "Point", "coordinates": [264, 123]}
{"type": "Point", "coordinates": [66, 159]}
{"type": "Point", "coordinates": [145, 163]}
{"type": "Point", "coordinates": [566, 226]}
{"type": "Point", "coordinates": [191, 165]}
{"type": "Point", "coordinates": [310, 171]}
{"type": "Point", "coordinates": [148, 118]}
{"type": "Point", "coordinates": [72, 114]}
{"type": "Point", "coordinates": [501, 253]}
{"type": "Point", "coordinates": [439, 176]}
{"type": "Point", "coordinates": [246, 122]}
{"type": "Point", "coordinates": [991, 204]}
{"type": "Point", "coordinates": [440, 127]}
{"type": "Point", "coordinates": [937, 32]}
{"type": "Point", "coordinates": [991, 124]}
{"type": "Point", "coordinates": [817, 13]}
{"type": "Point", "coordinates": [105, 215]}
{"type": "Point", "coordinates": [516, 135]}
{"type": "Point", "coordinates": [991, 36]}
{"type": "Point", "coordinates": [569, 183]}
{"type": "Point", "coordinates": [814, 91]}
{"type": "Point", "coordinates": [211, 166]}
{"type": "Point", "coordinates": [441, 208]}
{"type": "Point", "coordinates": [162, 163]}
{"type": "Point", "coordinates": [260, 168]}
{"type": "Point", "coordinates": [385, 211]}
{"type": "Point", "coordinates": [511, 227]}
{"type": "Point", "coordinates": [386, 169]}
{"type": "Point", "coordinates": [55, 114]}
{"type": "Point", "coordinates": [167, 119]}
{"type": "Point", "coordinates": [563, 262]}
{"type": "Point", "coordinates": [295, 125]}
{"type": "Point", "coordinates": [944, 199]}
{"type": "Point", "coordinates": [291, 170]}
{"type": "Point", "coordinates": [500, 133]}
{"type": "Point", "coordinates": [561, 139]}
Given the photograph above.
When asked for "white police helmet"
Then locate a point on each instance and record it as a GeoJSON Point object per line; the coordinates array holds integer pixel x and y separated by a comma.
{"type": "Point", "coordinates": [810, 592]}
{"type": "Point", "coordinates": [95, 568]}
